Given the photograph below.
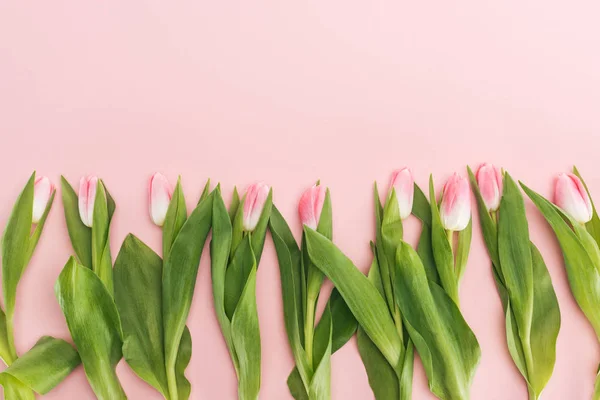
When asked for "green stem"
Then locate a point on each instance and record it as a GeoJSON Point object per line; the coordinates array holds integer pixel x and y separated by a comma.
{"type": "Point", "coordinates": [11, 339]}
{"type": "Point", "coordinates": [172, 383]}
{"type": "Point", "coordinates": [596, 395]}
{"type": "Point", "coordinates": [309, 327]}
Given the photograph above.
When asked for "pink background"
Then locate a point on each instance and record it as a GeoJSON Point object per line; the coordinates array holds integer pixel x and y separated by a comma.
{"type": "Point", "coordinates": [288, 92]}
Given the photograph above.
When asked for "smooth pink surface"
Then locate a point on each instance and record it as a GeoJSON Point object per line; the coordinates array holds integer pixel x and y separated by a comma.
{"type": "Point", "coordinates": [289, 92]}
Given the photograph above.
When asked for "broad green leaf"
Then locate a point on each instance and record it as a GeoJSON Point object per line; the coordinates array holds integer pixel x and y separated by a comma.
{"type": "Point", "coordinates": [344, 324]}
{"type": "Point", "coordinates": [101, 258]}
{"type": "Point", "coordinates": [219, 253]}
{"type": "Point", "coordinates": [44, 366]}
{"type": "Point", "coordinates": [514, 250]}
{"type": "Point", "coordinates": [545, 323]}
{"type": "Point", "coordinates": [237, 275]}
{"type": "Point", "coordinates": [15, 245]}
{"type": "Point", "coordinates": [93, 321]}
{"type": "Point", "coordinates": [447, 346]}
{"type": "Point", "coordinates": [421, 208]}
{"type": "Point", "coordinates": [205, 192]}
{"type": "Point", "coordinates": [245, 335]}
{"type": "Point", "coordinates": [361, 296]}
{"type": "Point", "coordinates": [442, 250]}
{"type": "Point", "coordinates": [180, 269]}
{"type": "Point", "coordinates": [14, 389]}
{"type": "Point", "coordinates": [80, 235]}
{"type": "Point", "coordinates": [425, 251]}
{"type": "Point", "coordinates": [174, 219]}
{"type": "Point", "coordinates": [39, 227]}
{"type": "Point", "coordinates": [583, 275]}
{"type": "Point", "coordinates": [320, 385]}
{"type": "Point", "coordinates": [5, 352]}
{"type": "Point", "coordinates": [382, 376]}
{"type": "Point", "coordinates": [138, 295]}
{"type": "Point", "coordinates": [184, 355]}
{"type": "Point", "coordinates": [592, 226]}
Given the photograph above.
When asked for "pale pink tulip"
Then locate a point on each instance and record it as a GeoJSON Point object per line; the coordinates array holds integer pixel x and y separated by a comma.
{"type": "Point", "coordinates": [311, 205]}
{"type": "Point", "coordinates": [159, 195]}
{"type": "Point", "coordinates": [489, 179]}
{"type": "Point", "coordinates": [87, 198]}
{"type": "Point", "coordinates": [256, 196]}
{"type": "Point", "coordinates": [42, 190]}
{"type": "Point", "coordinates": [455, 209]}
{"type": "Point", "coordinates": [404, 185]}
{"type": "Point", "coordinates": [571, 196]}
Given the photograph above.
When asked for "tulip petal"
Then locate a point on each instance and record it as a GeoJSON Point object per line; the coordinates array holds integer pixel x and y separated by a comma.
{"type": "Point", "coordinates": [43, 189]}
{"type": "Point", "coordinates": [160, 193]}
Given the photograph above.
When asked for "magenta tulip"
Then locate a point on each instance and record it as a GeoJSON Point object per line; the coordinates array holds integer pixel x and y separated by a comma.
{"type": "Point", "coordinates": [455, 209]}
{"type": "Point", "coordinates": [571, 196]}
{"type": "Point", "coordinates": [87, 198]}
{"type": "Point", "coordinates": [311, 205]}
{"type": "Point", "coordinates": [489, 179]}
{"type": "Point", "coordinates": [404, 185]}
{"type": "Point", "coordinates": [42, 191]}
{"type": "Point", "coordinates": [159, 195]}
{"type": "Point", "coordinates": [254, 202]}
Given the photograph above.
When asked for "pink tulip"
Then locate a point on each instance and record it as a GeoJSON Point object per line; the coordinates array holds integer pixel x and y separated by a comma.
{"type": "Point", "coordinates": [571, 196]}
{"type": "Point", "coordinates": [455, 210]}
{"type": "Point", "coordinates": [404, 185]}
{"type": "Point", "coordinates": [159, 194]}
{"type": "Point", "coordinates": [42, 190]}
{"type": "Point", "coordinates": [254, 202]}
{"type": "Point", "coordinates": [87, 198]}
{"type": "Point", "coordinates": [489, 179]}
{"type": "Point", "coordinates": [311, 205]}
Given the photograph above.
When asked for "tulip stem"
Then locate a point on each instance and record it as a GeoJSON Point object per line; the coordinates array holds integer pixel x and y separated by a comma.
{"type": "Point", "coordinates": [450, 234]}
{"type": "Point", "coordinates": [11, 339]}
{"type": "Point", "coordinates": [309, 329]}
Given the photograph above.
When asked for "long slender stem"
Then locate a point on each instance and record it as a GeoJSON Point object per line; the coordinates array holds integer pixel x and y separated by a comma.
{"type": "Point", "coordinates": [172, 382]}
{"type": "Point", "coordinates": [309, 326]}
{"type": "Point", "coordinates": [11, 339]}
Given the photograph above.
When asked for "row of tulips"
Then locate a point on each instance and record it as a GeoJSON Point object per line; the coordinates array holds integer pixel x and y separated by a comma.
{"type": "Point", "coordinates": [137, 308]}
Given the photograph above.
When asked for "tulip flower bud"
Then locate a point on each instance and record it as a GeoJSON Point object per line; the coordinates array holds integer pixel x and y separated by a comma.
{"type": "Point", "coordinates": [489, 179]}
{"type": "Point", "coordinates": [254, 202]}
{"type": "Point", "coordinates": [404, 185]}
{"type": "Point", "coordinates": [42, 190]}
{"type": "Point", "coordinates": [571, 196]}
{"type": "Point", "coordinates": [455, 209]}
{"type": "Point", "coordinates": [159, 194]}
{"type": "Point", "coordinates": [87, 198]}
{"type": "Point", "coordinates": [311, 205]}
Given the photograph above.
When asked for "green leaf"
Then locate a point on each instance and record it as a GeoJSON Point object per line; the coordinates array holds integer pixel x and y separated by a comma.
{"type": "Point", "coordinates": [344, 324]}
{"type": "Point", "coordinates": [582, 271]}
{"type": "Point", "coordinates": [361, 296]}
{"type": "Point", "coordinates": [138, 295]}
{"type": "Point", "coordinates": [425, 251]}
{"type": "Point", "coordinates": [545, 324]}
{"type": "Point", "coordinates": [5, 351]}
{"type": "Point", "coordinates": [180, 270]}
{"type": "Point", "coordinates": [15, 245]}
{"type": "Point", "coordinates": [593, 226]}
{"type": "Point", "coordinates": [39, 227]}
{"type": "Point", "coordinates": [101, 258]}
{"type": "Point", "coordinates": [447, 346]}
{"type": "Point", "coordinates": [442, 250]}
{"type": "Point", "coordinates": [94, 324]}
{"type": "Point", "coordinates": [205, 192]}
{"type": "Point", "coordinates": [245, 335]}
{"type": "Point", "coordinates": [219, 253]}
{"type": "Point", "coordinates": [237, 275]}
{"type": "Point", "coordinates": [382, 376]}
{"type": "Point", "coordinates": [44, 366]}
{"type": "Point", "coordinates": [421, 208]}
{"type": "Point", "coordinates": [514, 251]}
{"type": "Point", "coordinates": [14, 389]}
{"type": "Point", "coordinates": [235, 203]}
{"type": "Point", "coordinates": [80, 235]}
{"type": "Point", "coordinates": [320, 385]}
{"type": "Point", "coordinates": [184, 355]}
{"type": "Point", "coordinates": [174, 219]}
{"type": "Point", "coordinates": [260, 231]}
{"type": "Point", "coordinates": [462, 249]}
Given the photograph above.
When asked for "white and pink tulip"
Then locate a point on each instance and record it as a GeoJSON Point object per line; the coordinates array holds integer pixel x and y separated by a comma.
{"type": "Point", "coordinates": [42, 191]}
{"type": "Point", "coordinates": [256, 197]}
{"type": "Point", "coordinates": [571, 196]}
{"type": "Point", "coordinates": [311, 205]}
{"type": "Point", "coordinates": [404, 185]}
{"type": "Point", "coordinates": [160, 192]}
{"type": "Point", "coordinates": [489, 179]}
{"type": "Point", "coordinates": [455, 210]}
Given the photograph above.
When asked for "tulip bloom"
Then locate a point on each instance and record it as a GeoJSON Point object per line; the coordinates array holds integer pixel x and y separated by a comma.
{"type": "Point", "coordinates": [159, 195]}
{"type": "Point", "coordinates": [254, 202]}
{"type": "Point", "coordinates": [311, 205]}
{"type": "Point", "coordinates": [87, 198]}
{"type": "Point", "coordinates": [404, 185]}
{"type": "Point", "coordinates": [571, 196]}
{"type": "Point", "coordinates": [42, 191]}
{"type": "Point", "coordinates": [455, 209]}
{"type": "Point", "coordinates": [489, 179]}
